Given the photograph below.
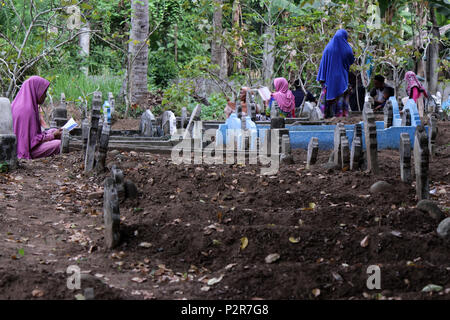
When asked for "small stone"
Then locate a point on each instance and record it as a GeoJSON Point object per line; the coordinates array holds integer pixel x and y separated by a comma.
{"type": "Point", "coordinates": [431, 208]}
{"type": "Point", "coordinates": [443, 229]}
{"type": "Point", "coordinates": [380, 187]}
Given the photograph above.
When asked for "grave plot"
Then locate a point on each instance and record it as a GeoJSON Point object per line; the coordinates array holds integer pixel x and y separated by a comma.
{"type": "Point", "coordinates": [226, 231]}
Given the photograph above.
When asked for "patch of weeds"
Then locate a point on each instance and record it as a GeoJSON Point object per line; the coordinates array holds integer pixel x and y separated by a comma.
{"type": "Point", "coordinates": [4, 167]}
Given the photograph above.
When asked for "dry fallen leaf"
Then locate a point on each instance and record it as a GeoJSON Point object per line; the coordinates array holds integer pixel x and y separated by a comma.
{"type": "Point", "coordinates": [37, 293]}
{"type": "Point", "coordinates": [272, 257]}
{"type": "Point", "coordinates": [365, 242]}
{"type": "Point", "coordinates": [337, 276]}
{"type": "Point", "coordinates": [432, 288]}
{"type": "Point", "coordinates": [316, 292]}
{"type": "Point", "coordinates": [294, 240]}
{"type": "Point", "coordinates": [80, 297]}
{"type": "Point", "coordinates": [244, 243]}
{"type": "Point", "coordinates": [138, 280]}
{"type": "Point", "coordinates": [230, 266]}
{"type": "Point", "coordinates": [215, 280]}
{"type": "Point", "coordinates": [397, 234]}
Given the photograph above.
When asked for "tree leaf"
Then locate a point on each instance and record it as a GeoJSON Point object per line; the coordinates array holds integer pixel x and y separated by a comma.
{"type": "Point", "coordinates": [316, 292]}
{"type": "Point", "coordinates": [365, 242]}
{"type": "Point", "coordinates": [244, 243]}
{"type": "Point", "coordinates": [213, 281]}
{"type": "Point", "coordinates": [432, 288]}
{"type": "Point", "coordinates": [272, 257]}
{"type": "Point", "coordinates": [294, 240]}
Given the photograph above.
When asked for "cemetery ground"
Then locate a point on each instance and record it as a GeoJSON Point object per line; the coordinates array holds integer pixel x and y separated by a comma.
{"type": "Point", "coordinates": [204, 231]}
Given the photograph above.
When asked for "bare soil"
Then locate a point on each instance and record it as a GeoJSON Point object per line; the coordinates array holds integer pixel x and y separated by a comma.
{"type": "Point", "coordinates": [189, 223]}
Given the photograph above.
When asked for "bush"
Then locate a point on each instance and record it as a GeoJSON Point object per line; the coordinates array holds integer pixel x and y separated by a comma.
{"type": "Point", "coordinates": [215, 110]}
{"type": "Point", "coordinates": [162, 67]}
{"type": "Point", "coordinates": [177, 96]}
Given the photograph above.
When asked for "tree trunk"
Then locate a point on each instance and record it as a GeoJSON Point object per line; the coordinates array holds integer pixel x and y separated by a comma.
{"type": "Point", "coordinates": [217, 33]}
{"type": "Point", "coordinates": [175, 42]}
{"type": "Point", "coordinates": [85, 46]}
{"type": "Point", "coordinates": [418, 38]}
{"type": "Point", "coordinates": [389, 15]}
{"type": "Point", "coordinates": [223, 61]}
{"type": "Point", "coordinates": [237, 13]}
{"type": "Point", "coordinates": [268, 54]}
{"type": "Point", "coordinates": [433, 54]}
{"type": "Point", "coordinates": [138, 49]}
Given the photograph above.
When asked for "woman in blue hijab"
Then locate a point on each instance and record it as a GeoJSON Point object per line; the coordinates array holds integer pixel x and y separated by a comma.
{"type": "Point", "coordinates": [333, 74]}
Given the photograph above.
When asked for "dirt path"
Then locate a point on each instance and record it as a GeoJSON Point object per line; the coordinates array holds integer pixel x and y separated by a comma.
{"type": "Point", "coordinates": [188, 225]}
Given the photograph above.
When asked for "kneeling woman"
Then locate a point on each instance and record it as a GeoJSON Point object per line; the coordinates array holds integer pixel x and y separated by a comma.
{"type": "Point", "coordinates": [32, 142]}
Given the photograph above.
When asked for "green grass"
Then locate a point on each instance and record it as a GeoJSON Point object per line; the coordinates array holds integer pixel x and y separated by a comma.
{"type": "Point", "coordinates": [76, 85]}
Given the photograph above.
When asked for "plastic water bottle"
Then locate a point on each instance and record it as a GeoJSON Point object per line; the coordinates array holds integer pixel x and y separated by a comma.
{"type": "Point", "coordinates": [107, 112]}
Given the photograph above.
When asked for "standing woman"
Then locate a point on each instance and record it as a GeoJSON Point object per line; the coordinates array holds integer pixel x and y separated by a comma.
{"type": "Point", "coordinates": [333, 75]}
{"type": "Point", "coordinates": [284, 97]}
{"type": "Point", "coordinates": [32, 143]}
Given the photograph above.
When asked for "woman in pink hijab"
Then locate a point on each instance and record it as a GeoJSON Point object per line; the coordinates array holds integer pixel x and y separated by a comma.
{"type": "Point", "coordinates": [413, 87]}
{"type": "Point", "coordinates": [284, 97]}
{"type": "Point", "coordinates": [32, 143]}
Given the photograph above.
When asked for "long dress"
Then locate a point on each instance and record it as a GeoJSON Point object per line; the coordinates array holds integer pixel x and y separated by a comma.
{"type": "Point", "coordinates": [333, 73]}
{"type": "Point", "coordinates": [32, 142]}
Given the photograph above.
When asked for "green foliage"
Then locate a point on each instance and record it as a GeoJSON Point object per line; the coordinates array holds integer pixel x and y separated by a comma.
{"type": "Point", "coordinates": [162, 67]}
{"type": "Point", "coordinates": [214, 111]}
{"type": "Point", "coordinates": [177, 96]}
{"type": "Point", "coordinates": [79, 85]}
{"type": "Point", "coordinates": [4, 167]}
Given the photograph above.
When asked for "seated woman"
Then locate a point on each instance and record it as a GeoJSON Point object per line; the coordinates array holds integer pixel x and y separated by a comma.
{"type": "Point", "coordinates": [284, 97]}
{"type": "Point", "coordinates": [414, 89]}
{"type": "Point", "coordinates": [32, 143]}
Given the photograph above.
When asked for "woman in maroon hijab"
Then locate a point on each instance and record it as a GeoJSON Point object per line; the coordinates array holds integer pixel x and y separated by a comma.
{"type": "Point", "coordinates": [32, 143]}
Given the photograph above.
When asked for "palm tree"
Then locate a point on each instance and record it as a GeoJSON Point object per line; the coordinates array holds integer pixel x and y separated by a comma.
{"type": "Point", "coordinates": [138, 52]}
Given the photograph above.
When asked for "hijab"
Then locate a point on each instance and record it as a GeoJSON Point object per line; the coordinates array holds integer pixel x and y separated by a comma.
{"type": "Point", "coordinates": [411, 82]}
{"type": "Point", "coordinates": [335, 64]}
{"type": "Point", "coordinates": [284, 96]}
{"type": "Point", "coordinates": [25, 113]}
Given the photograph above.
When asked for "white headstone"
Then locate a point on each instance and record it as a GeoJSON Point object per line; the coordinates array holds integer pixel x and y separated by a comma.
{"type": "Point", "coordinates": [8, 145]}
{"type": "Point", "coordinates": [6, 122]}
